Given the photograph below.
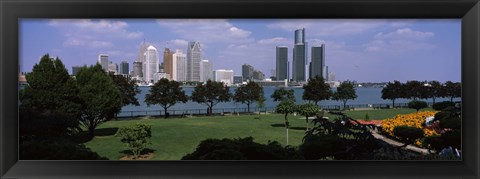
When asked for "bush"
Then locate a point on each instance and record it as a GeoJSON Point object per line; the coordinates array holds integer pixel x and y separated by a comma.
{"type": "Point", "coordinates": [56, 150]}
{"type": "Point", "coordinates": [241, 149]}
{"type": "Point", "coordinates": [136, 137]}
{"type": "Point", "coordinates": [454, 123]}
{"type": "Point", "coordinates": [316, 147]}
{"type": "Point", "coordinates": [434, 142]}
{"type": "Point", "coordinates": [452, 138]}
{"type": "Point", "coordinates": [408, 134]}
{"type": "Point", "coordinates": [417, 104]}
{"type": "Point", "coordinates": [442, 105]}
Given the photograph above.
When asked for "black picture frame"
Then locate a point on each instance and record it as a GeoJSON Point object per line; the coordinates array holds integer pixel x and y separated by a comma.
{"type": "Point", "coordinates": [466, 10]}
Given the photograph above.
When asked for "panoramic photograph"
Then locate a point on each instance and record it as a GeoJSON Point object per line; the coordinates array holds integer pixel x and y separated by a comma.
{"type": "Point", "coordinates": [240, 89]}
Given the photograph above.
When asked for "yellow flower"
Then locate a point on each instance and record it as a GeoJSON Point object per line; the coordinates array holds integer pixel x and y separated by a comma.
{"type": "Point", "coordinates": [414, 120]}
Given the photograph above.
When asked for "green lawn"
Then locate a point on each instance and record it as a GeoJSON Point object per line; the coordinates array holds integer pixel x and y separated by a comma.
{"type": "Point", "coordinates": [176, 137]}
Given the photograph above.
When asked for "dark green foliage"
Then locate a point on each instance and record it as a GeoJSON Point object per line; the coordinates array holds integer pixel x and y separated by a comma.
{"type": "Point", "coordinates": [435, 89]}
{"type": "Point", "coordinates": [452, 90]}
{"type": "Point", "coordinates": [286, 107]}
{"type": "Point", "coordinates": [393, 91]}
{"type": "Point", "coordinates": [127, 87]}
{"type": "Point", "coordinates": [241, 149]}
{"type": "Point", "coordinates": [308, 110]}
{"type": "Point", "coordinates": [408, 134]}
{"type": "Point", "coordinates": [442, 105]}
{"type": "Point", "coordinates": [452, 138]}
{"type": "Point", "coordinates": [211, 94]}
{"type": "Point", "coordinates": [136, 137]}
{"type": "Point", "coordinates": [413, 90]}
{"type": "Point", "coordinates": [316, 90]}
{"type": "Point", "coordinates": [345, 92]}
{"type": "Point", "coordinates": [342, 139]}
{"type": "Point", "coordinates": [281, 94]}
{"type": "Point", "coordinates": [56, 150]}
{"type": "Point", "coordinates": [166, 93]}
{"type": "Point", "coordinates": [248, 93]}
{"type": "Point", "coordinates": [417, 105]}
{"type": "Point", "coordinates": [100, 96]}
{"type": "Point", "coordinates": [49, 104]}
{"type": "Point", "coordinates": [453, 122]}
{"type": "Point", "coordinates": [321, 146]}
{"type": "Point", "coordinates": [434, 142]}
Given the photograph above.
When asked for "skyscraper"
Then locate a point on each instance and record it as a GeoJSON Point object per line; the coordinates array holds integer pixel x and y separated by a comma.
{"type": "Point", "coordinates": [137, 70]}
{"type": "Point", "coordinates": [194, 57]}
{"type": "Point", "coordinates": [113, 67]}
{"type": "Point", "coordinates": [141, 53]}
{"type": "Point", "coordinates": [167, 62]}
{"type": "Point", "coordinates": [282, 63]}
{"type": "Point", "coordinates": [247, 72]}
{"type": "Point", "coordinates": [179, 66]}
{"type": "Point", "coordinates": [124, 68]}
{"type": "Point", "coordinates": [299, 56]}
{"type": "Point", "coordinates": [205, 71]}
{"type": "Point", "coordinates": [150, 67]}
{"type": "Point", "coordinates": [103, 61]}
{"type": "Point", "coordinates": [75, 70]}
{"type": "Point", "coordinates": [318, 61]}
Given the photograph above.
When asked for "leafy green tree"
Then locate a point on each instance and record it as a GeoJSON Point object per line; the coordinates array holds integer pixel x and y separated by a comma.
{"type": "Point", "coordinates": [392, 91]}
{"type": "Point", "coordinates": [345, 92]}
{"type": "Point", "coordinates": [281, 94]}
{"type": "Point", "coordinates": [101, 97]}
{"type": "Point", "coordinates": [417, 105]}
{"type": "Point", "coordinates": [49, 104]}
{"type": "Point", "coordinates": [307, 110]}
{"type": "Point", "coordinates": [166, 93]}
{"type": "Point", "coordinates": [413, 89]}
{"type": "Point", "coordinates": [248, 93]}
{"type": "Point", "coordinates": [136, 137]}
{"type": "Point", "coordinates": [452, 90]}
{"type": "Point", "coordinates": [316, 90]}
{"type": "Point", "coordinates": [211, 94]}
{"type": "Point", "coordinates": [261, 103]}
{"type": "Point", "coordinates": [286, 107]}
{"type": "Point", "coordinates": [128, 88]}
{"type": "Point", "coordinates": [436, 90]}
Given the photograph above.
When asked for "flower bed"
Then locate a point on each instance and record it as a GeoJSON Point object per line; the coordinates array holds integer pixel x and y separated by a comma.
{"type": "Point", "coordinates": [414, 120]}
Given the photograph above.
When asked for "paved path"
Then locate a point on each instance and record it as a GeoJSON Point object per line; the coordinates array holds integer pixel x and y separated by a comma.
{"type": "Point", "coordinates": [396, 143]}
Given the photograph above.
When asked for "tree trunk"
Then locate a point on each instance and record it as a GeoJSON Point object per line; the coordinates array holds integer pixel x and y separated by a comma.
{"type": "Point", "coordinates": [393, 103]}
{"type": "Point", "coordinates": [287, 135]}
{"type": "Point", "coordinates": [286, 126]}
{"type": "Point", "coordinates": [344, 104]}
{"type": "Point", "coordinates": [451, 99]}
{"type": "Point", "coordinates": [165, 109]}
{"type": "Point", "coordinates": [433, 98]}
{"type": "Point", "coordinates": [248, 107]}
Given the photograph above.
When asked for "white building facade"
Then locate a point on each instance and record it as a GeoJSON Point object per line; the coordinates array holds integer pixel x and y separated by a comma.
{"type": "Point", "coordinates": [150, 66]}
{"type": "Point", "coordinates": [206, 71]}
{"type": "Point", "coordinates": [179, 66]}
{"type": "Point", "coordinates": [194, 57]}
{"type": "Point", "coordinates": [222, 75]}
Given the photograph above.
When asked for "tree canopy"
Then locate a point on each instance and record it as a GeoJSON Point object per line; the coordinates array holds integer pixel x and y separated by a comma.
{"type": "Point", "coordinates": [101, 97]}
{"type": "Point", "coordinates": [166, 93]}
{"type": "Point", "coordinates": [392, 91]}
{"type": "Point", "coordinates": [281, 94]}
{"type": "Point", "coordinates": [211, 94]}
{"type": "Point", "coordinates": [49, 104]}
{"type": "Point", "coordinates": [345, 92]}
{"type": "Point", "coordinates": [286, 107]}
{"type": "Point", "coordinates": [248, 93]}
{"type": "Point", "coordinates": [128, 89]}
{"type": "Point", "coordinates": [308, 110]}
{"type": "Point", "coordinates": [452, 90]}
{"type": "Point", "coordinates": [316, 90]}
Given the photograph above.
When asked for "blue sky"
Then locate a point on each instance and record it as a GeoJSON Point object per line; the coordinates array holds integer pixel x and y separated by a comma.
{"type": "Point", "coordinates": [365, 50]}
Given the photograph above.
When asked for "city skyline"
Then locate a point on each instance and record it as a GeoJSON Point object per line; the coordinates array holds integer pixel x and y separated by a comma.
{"type": "Point", "coordinates": [360, 50]}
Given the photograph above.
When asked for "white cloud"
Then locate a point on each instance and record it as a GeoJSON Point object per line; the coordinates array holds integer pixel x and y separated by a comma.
{"type": "Point", "coordinates": [405, 33]}
{"type": "Point", "coordinates": [178, 42]}
{"type": "Point", "coordinates": [207, 30]}
{"type": "Point", "coordinates": [274, 41]}
{"type": "Point", "coordinates": [329, 27]}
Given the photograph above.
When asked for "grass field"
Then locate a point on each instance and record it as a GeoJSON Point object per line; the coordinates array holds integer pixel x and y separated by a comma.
{"type": "Point", "coordinates": [175, 137]}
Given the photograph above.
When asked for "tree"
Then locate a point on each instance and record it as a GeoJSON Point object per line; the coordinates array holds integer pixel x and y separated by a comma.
{"type": "Point", "coordinates": [49, 104]}
{"type": "Point", "coordinates": [452, 90]}
{"type": "Point", "coordinates": [316, 90]}
{"type": "Point", "coordinates": [281, 94]}
{"type": "Point", "coordinates": [128, 89]}
{"type": "Point", "coordinates": [211, 94]}
{"type": "Point", "coordinates": [286, 107]}
{"type": "Point", "coordinates": [307, 110]}
{"type": "Point", "coordinates": [166, 93]}
{"type": "Point", "coordinates": [261, 103]}
{"type": "Point", "coordinates": [413, 89]}
{"type": "Point", "coordinates": [436, 89]}
{"type": "Point", "coordinates": [344, 92]}
{"type": "Point", "coordinates": [100, 96]}
{"type": "Point", "coordinates": [392, 91]}
{"type": "Point", "coordinates": [136, 137]}
{"type": "Point", "coordinates": [248, 93]}
{"type": "Point", "coordinates": [417, 105]}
